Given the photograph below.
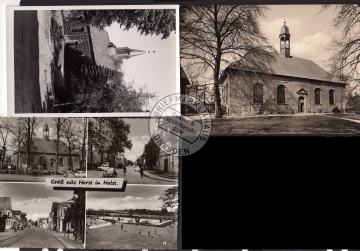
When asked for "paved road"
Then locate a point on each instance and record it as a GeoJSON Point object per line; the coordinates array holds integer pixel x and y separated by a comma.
{"type": "Point", "coordinates": [131, 176]}
{"type": "Point", "coordinates": [36, 237]}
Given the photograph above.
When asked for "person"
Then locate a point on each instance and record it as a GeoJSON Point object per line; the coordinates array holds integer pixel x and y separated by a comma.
{"type": "Point", "coordinates": [155, 231]}
{"type": "Point", "coordinates": [122, 226]}
{"type": "Point", "coordinates": [139, 232]}
{"type": "Point", "coordinates": [149, 233]}
{"type": "Point", "coordinates": [141, 172]}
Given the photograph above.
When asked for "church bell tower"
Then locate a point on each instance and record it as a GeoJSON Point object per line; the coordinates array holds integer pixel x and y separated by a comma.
{"type": "Point", "coordinates": [46, 131]}
{"type": "Point", "coordinates": [285, 41]}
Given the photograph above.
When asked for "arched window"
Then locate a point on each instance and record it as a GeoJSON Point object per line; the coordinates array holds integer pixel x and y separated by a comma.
{"type": "Point", "coordinates": [281, 94]}
{"type": "Point", "coordinates": [61, 161]}
{"type": "Point", "coordinates": [331, 97]}
{"type": "Point", "coordinates": [258, 93]}
{"type": "Point", "coordinates": [317, 96]}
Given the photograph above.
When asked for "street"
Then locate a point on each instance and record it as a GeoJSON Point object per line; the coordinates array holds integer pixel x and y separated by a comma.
{"type": "Point", "coordinates": [131, 176]}
{"type": "Point", "coordinates": [36, 237]}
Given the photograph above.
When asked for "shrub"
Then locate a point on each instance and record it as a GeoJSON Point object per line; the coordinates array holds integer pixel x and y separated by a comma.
{"type": "Point", "coordinates": [336, 110]}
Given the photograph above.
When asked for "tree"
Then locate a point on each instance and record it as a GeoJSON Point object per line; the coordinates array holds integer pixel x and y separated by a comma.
{"type": "Point", "coordinates": [120, 140]}
{"type": "Point", "coordinates": [170, 199]}
{"type": "Point", "coordinates": [58, 126]}
{"type": "Point", "coordinates": [147, 21]}
{"type": "Point", "coordinates": [75, 214]}
{"type": "Point", "coordinates": [70, 135]}
{"type": "Point", "coordinates": [151, 152]}
{"type": "Point", "coordinates": [5, 131]}
{"type": "Point", "coordinates": [345, 61]}
{"type": "Point", "coordinates": [213, 37]}
{"type": "Point", "coordinates": [17, 140]}
{"type": "Point", "coordinates": [29, 125]}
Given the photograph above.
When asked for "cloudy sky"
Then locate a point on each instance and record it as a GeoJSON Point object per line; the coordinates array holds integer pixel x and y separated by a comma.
{"type": "Point", "coordinates": [135, 197]}
{"type": "Point", "coordinates": [310, 28]}
{"type": "Point", "coordinates": [139, 136]}
{"type": "Point", "coordinates": [156, 70]}
{"type": "Point", "coordinates": [34, 199]}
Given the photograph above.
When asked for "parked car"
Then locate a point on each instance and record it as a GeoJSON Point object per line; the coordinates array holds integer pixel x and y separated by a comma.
{"type": "Point", "coordinates": [20, 226]}
{"type": "Point", "coordinates": [103, 167]}
{"type": "Point", "coordinates": [137, 169]}
{"type": "Point", "coordinates": [110, 172]}
{"type": "Point", "coordinates": [80, 174]}
{"type": "Point", "coordinates": [69, 174]}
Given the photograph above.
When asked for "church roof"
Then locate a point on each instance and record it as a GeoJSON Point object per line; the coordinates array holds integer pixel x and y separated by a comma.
{"type": "Point", "coordinates": [284, 29]}
{"type": "Point", "coordinates": [293, 67]}
{"type": "Point", "coordinates": [100, 42]}
{"type": "Point", "coordinates": [41, 145]}
{"type": "Point", "coordinates": [184, 79]}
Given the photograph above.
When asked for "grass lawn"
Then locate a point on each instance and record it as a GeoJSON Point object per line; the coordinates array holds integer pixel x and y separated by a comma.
{"type": "Point", "coordinates": [26, 57]}
{"type": "Point", "coordinates": [308, 124]}
{"type": "Point", "coordinates": [112, 237]}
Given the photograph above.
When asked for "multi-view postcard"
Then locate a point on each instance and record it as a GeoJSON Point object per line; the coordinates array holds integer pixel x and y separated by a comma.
{"type": "Point", "coordinates": [109, 60]}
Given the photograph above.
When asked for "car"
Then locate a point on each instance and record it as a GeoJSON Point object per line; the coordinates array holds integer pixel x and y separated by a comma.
{"type": "Point", "coordinates": [20, 226]}
{"type": "Point", "coordinates": [137, 169]}
{"type": "Point", "coordinates": [110, 172]}
{"type": "Point", "coordinates": [69, 174]}
{"type": "Point", "coordinates": [103, 167]}
{"type": "Point", "coordinates": [80, 174]}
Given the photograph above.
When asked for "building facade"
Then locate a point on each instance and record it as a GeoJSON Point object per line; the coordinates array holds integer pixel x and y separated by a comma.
{"type": "Point", "coordinates": [61, 208]}
{"type": "Point", "coordinates": [168, 163]}
{"type": "Point", "coordinates": [289, 85]}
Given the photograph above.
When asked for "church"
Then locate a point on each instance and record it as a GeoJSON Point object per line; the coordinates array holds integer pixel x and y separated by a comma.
{"type": "Point", "coordinates": [287, 85]}
{"type": "Point", "coordinates": [43, 154]}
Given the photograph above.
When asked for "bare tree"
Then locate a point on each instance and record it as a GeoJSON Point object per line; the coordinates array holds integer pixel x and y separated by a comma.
{"type": "Point", "coordinates": [345, 61]}
{"type": "Point", "coordinates": [29, 125]}
{"type": "Point", "coordinates": [5, 131]}
{"type": "Point", "coordinates": [70, 135]}
{"type": "Point", "coordinates": [17, 140]}
{"type": "Point", "coordinates": [215, 36]}
{"type": "Point", "coordinates": [58, 126]}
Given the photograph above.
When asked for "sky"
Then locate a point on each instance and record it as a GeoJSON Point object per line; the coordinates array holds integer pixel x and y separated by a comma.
{"type": "Point", "coordinates": [156, 70]}
{"type": "Point", "coordinates": [139, 136]}
{"type": "Point", "coordinates": [310, 29]}
{"type": "Point", "coordinates": [135, 197]}
{"type": "Point", "coordinates": [32, 198]}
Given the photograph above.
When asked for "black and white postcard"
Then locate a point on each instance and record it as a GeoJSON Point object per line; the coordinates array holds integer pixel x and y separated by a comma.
{"type": "Point", "coordinates": [144, 217]}
{"type": "Point", "coordinates": [83, 60]}
{"type": "Point", "coordinates": [124, 148]}
{"type": "Point", "coordinates": [33, 149]}
{"type": "Point", "coordinates": [276, 69]}
{"type": "Point", "coordinates": [36, 216]}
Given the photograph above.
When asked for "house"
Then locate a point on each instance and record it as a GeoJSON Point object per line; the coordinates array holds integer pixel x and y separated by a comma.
{"type": "Point", "coordinates": [60, 214]}
{"type": "Point", "coordinates": [43, 155]}
{"type": "Point", "coordinates": [6, 213]}
{"type": "Point", "coordinates": [288, 85]}
{"type": "Point", "coordinates": [43, 222]}
{"type": "Point", "coordinates": [168, 163]}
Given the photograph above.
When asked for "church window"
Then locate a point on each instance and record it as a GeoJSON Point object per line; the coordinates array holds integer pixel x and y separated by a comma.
{"type": "Point", "coordinates": [258, 93]}
{"type": "Point", "coordinates": [317, 96]}
{"type": "Point", "coordinates": [331, 97]}
{"type": "Point", "coordinates": [281, 94]}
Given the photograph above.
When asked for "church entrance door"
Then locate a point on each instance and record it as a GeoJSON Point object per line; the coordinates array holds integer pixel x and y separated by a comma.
{"type": "Point", "coordinates": [301, 104]}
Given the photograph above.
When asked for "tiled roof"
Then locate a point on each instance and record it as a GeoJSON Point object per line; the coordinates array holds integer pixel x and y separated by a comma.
{"type": "Point", "coordinates": [41, 145]}
{"type": "Point", "coordinates": [100, 42]}
{"type": "Point", "coordinates": [294, 67]}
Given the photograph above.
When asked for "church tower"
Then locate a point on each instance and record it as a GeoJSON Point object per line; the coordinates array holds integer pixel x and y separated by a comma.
{"type": "Point", "coordinates": [285, 41]}
{"type": "Point", "coordinates": [46, 131]}
{"type": "Point", "coordinates": [118, 53]}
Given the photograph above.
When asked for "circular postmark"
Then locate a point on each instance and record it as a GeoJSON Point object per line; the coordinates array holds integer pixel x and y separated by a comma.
{"type": "Point", "coordinates": [178, 134]}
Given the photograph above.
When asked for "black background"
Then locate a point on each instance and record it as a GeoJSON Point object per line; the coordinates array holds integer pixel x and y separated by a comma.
{"type": "Point", "coordinates": [265, 192]}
